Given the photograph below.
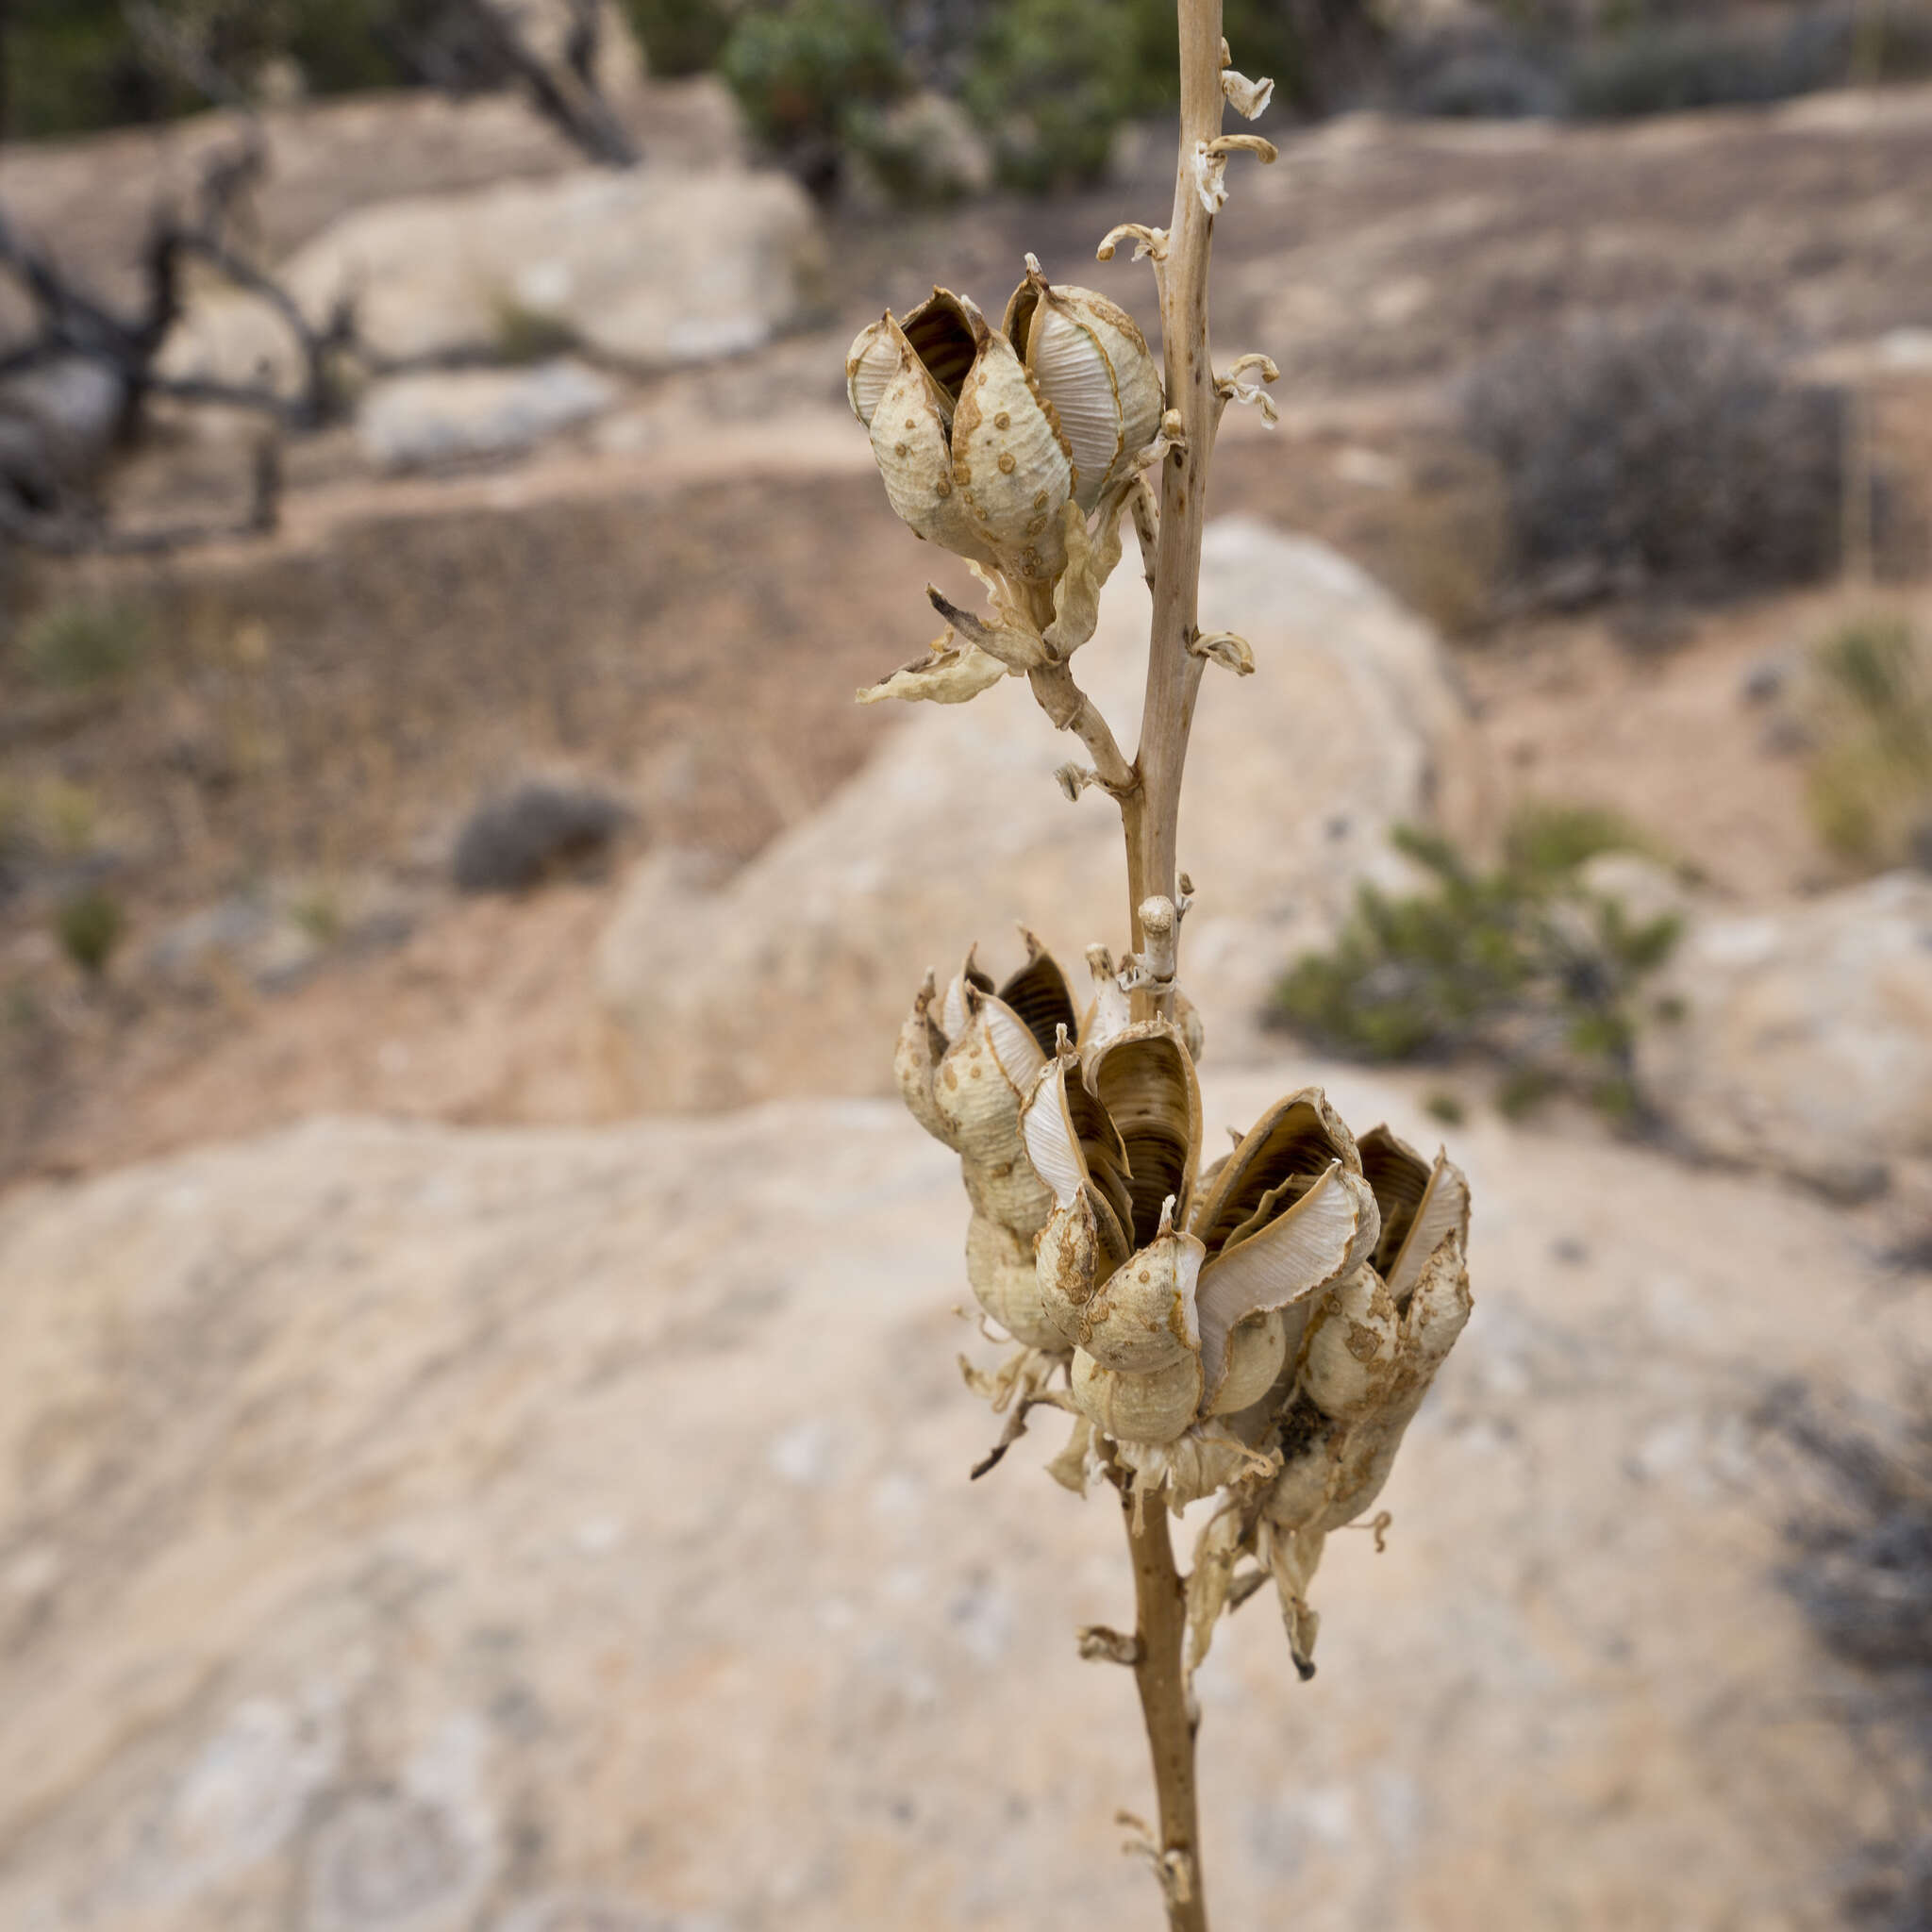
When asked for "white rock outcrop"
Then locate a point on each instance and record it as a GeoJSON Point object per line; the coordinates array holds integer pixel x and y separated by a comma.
{"type": "Point", "coordinates": [792, 977]}
{"type": "Point", "coordinates": [1805, 1036]}
{"type": "Point", "coordinates": [419, 422]}
{"type": "Point", "coordinates": [651, 268]}
{"type": "Point", "coordinates": [415, 1529]}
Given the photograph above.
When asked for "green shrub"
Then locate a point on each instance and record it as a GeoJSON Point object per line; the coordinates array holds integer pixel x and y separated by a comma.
{"type": "Point", "coordinates": [799, 71]}
{"type": "Point", "coordinates": [680, 37]}
{"type": "Point", "coordinates": [1523, 964]}
{"type": "Point", "coordinates": [88, 925]}
{"type": "Point", "coordinates": [1870, 707]}
{"type": "Point", "coordinates": [75, 645]}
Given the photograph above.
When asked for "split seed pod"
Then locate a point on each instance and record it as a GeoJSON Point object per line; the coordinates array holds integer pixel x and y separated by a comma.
{"type": "Point", "coordinates": [1093, 365]}
{"type": "Point", "coordinates": [1374, 1343]}
{"type": "Point", "coordinates": [1138, 1409]}
{"type": "Point", "coordinates": [999, 1267]}
{"type": "Point", "coordinates": [963, 1062]}
{"type": "Point", "coordinates": [1140, 1262]}
{"type": "Point", "coordinates": [972, 455]}
{"type": "Point", "coordinates": [1255, 1351]}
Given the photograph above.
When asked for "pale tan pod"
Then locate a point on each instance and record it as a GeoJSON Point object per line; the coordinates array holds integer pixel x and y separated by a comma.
{"type": "Point", "coordinates": [1080, 1246]}
{"type": "Point", "coordinates": [1310, 1445]}
{"type": "Point", "coordinates": [999, 1266]}
{"type": "Point", "coordinates": [1348, 1353]}
{"type": "Point", "coordinates": [1092, 364]}
{"type": "Point", "coordinates": [1421, 1205]}
{"type": "Point", "coordinates": [1137, 1408]}
{"type": "Point", "coordinates": [1144, 1077]}
{"type": "Point", "coordinates": [1362, 1459]}
{"type": "Point", "coordinates": [1110, 1012]}
{"type": "Point", "coordinates": [1011, 468]}
{"type": "Point", "coordinates": [977, 1089]}
{"type": "Point", "coordinates": [1256, 1350]}
{"type": "Point", "coordinates": [908, 441]}
{"type": "Point", "coordinates": [915, 1061]}
{"type": "Point", "coordinates": [870, 363]}
{"type": "Point", "coordinates": [1142, 1319]}
{"type": "Point", "coordinates": [1318, 1239]}
{"type": "Point", "coordinates": [1073, 1144]}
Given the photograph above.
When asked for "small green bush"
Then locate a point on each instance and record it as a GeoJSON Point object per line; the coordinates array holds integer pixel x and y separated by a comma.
{"type": "Point", "coordinates": [680, 37]}
{"type": "Point", "coordinates": [75, 645]}
{"type": "Point", "coordinates": [90, 925]}
{"type": "Point", "coordinates": [1523, 964]}
{"type": "Point", "coordinates": [799, 71]}
{"type": "Point", "coordinates": [1869, 783]}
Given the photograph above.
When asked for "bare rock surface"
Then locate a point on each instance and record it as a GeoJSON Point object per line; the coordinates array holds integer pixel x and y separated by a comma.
{"type": "Point", "coordinates": [651, 268]}
{"type": "Point", "coordinates": [92, 198]}
{"type": "Point", "coordinates": [505, 1531]}
{"type": "Point", "coordinates": [1805, 1038]}
{"type": "Point", "coordinates": [788, 978]}
{"type": "Point", "coordinates": [449, 416]}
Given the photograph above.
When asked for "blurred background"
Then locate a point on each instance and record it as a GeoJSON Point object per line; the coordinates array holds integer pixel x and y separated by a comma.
{"type": "Point", "coordinates": [479, 1448]}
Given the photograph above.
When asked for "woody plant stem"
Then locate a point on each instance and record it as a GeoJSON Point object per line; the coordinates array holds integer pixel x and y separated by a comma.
{"type": "Point", "coordinates": [1150, 812]}
{"type": "Point", "coordinates": [1148, 793]}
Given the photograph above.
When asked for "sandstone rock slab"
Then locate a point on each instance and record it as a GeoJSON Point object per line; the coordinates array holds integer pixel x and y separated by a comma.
{"type": "Point", "coordinates": [794, 975]}
{"type": "Point", "coordinates": [462, 1531]}
{"type": "Point", "coordinates": [1805, 1041]}
{"type": "Point", "coordinates": [651, 268]}
{"type": "Point", "coordinates": [420, 421]}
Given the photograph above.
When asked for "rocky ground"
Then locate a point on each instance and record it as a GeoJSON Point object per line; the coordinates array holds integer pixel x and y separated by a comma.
{"type": "Point", "coordinates": [426, 1528]}
{"type": "Point", "coordinates": [431, 1497]}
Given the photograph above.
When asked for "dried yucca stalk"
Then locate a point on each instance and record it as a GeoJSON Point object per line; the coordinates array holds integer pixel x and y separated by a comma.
{"type": "Point", "coordinates": [1258, 1330]}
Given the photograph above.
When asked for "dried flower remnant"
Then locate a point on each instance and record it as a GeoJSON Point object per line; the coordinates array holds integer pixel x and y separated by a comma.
{"type": "Point", "coordinates": [1256, 1329]}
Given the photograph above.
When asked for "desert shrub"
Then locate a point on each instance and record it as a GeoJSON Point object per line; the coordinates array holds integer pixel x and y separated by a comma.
{"type": "Point", "coordinates": [510, 844]}
{"type": "Point", "coordinates": [1861, 1570]}
{"type": "Point", "coordinates": [89, 925]}
{"type": "Point", "coordinates": [1523, 964]}
{"type": "Point", "coordinates": [680, 37]}
{"type": "Point", "coordinates": [1669, 448]}
{"type": "Point", "coordinates": [799, 69]}
{"type": "Point", "coordinates": [80, 643]}
{"type": "Point", "coordinates": [1664, 67]}
{"type": "Point", "coordinates": [74, 65]}
{"type": "Point", "coordinates": [1481, 69]}
{"type": "Point", "coordinates": [1051, 80]}
{"type": "Point", "coordinates": [1870, 716]}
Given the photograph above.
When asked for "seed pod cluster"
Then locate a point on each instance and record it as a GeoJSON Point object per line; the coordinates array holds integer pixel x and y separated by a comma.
{"type": "Point", "coordinates": [1264, 1327]}
{"type": "Point", "coordinates": [965, 1062]}
{"type": "Point", "coordinates": [984, 436]}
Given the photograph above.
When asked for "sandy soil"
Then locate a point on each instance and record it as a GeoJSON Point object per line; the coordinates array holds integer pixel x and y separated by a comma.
{"type": "Point", "coordinates": [677, 604]}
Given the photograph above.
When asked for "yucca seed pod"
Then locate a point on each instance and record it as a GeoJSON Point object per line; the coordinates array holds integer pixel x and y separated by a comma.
{"type": "Point", "coordinates": [870, 363]}
{"type": "Point", "coordinates": [1093, 365]}
{"type": "Point", "coordinates": [1142, 1319]}
{"type": "Point", "coordinates": [916, 1056]}
{"type": "Point", "coordinates": [1138, 1409]}
{"type": "Point", "coordinates": [1348, 1351]}
{"type": "Point", "coordinates": [1421, 1205]}
{"type": "Point", "coordinates": [999, 1266]}
{"type": "Point", "coordinates": [971, 455]}
{"type": "Point", "coordinates": [1334, 1468]}
{"type": "Point", "coordinates": [977, 1091]}
{"type": "Point", "coordinates": [1256, 1350]}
